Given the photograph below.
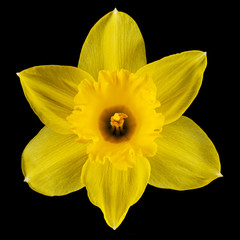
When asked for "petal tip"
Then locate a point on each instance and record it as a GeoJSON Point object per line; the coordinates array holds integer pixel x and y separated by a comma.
{"type": "Point", "coordinates": [18, 74]}
{"type": "Point", "coordinates": [205, 53]}
{"type": "Point", "coordinates": [219, 175]}
{"type": "Point", "coordinates": [26, 179]}
{"type": "Point", "coordinates": [115, 11]}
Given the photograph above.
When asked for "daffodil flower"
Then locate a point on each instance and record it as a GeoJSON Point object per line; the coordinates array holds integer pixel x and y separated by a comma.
{"type": "Point", "coordinates": [114, 124]}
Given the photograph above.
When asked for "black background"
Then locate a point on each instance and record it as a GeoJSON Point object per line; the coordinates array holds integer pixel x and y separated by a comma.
{"type": "Point", "coordinates": [53, 32]}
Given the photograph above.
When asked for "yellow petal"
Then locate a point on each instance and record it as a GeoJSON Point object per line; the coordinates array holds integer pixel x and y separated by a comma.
{"type": "Point", "coordinates": [52, 163]}
{"type": "Point", "coordinates": [186, 157]}
{"type": "Point", "coordinates": [50, 91]}
{"type": "Point", "coordinates": [178, 79]}
{"type": "Point", "coordinates": [115, 42]}
{"type": "Point", "coordinates": [113, 190]}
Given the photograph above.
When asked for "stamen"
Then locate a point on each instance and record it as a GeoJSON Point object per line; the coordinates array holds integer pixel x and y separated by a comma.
{"type": "Point", "coordinates": [117, 121]}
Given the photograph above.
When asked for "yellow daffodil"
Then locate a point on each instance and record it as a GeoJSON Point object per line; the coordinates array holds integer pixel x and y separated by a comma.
{"type": "Point", "coordinates": [114, 124]}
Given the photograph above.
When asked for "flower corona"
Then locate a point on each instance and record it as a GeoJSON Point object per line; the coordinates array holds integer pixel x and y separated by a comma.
{"type": "Point", "coordinates": [120, 119]}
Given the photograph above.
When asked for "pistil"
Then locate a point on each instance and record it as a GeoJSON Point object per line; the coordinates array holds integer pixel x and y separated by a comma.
{"type": "Point", "coordinates": [117, 122]}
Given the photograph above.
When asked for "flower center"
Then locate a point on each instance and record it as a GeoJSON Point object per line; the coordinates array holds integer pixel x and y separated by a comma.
{"type": "Point", "coordinates": [117, 121]}
{"type": "Point", "coordinates": [117, 124]}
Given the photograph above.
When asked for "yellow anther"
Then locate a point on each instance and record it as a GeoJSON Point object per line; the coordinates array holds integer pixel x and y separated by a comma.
{"type": "Point", "coordinates": [117, 121]}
